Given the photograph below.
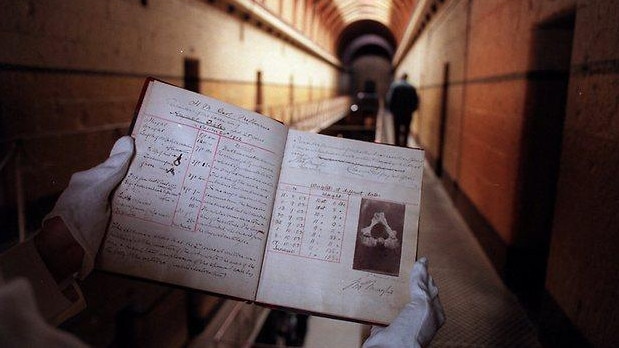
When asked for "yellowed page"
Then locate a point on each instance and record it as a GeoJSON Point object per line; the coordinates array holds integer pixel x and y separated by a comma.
{"type": "Point", "coordinates": [194, 208]}
{"type": "Point", "coordinates": [343, 234]}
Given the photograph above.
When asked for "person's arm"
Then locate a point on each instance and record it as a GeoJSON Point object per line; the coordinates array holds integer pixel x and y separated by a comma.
{"type": "Point", "coordinates": [83, 211]}
{"type": "Point", "coordinates": [56, 300]}
{"type": "Point", "coordinates": [70, 237]}
{"type": "Point", "coordinates": [21, 324]}
{"type": "Point", "coordinates": [60, 252]}
{"type": "Point", "coordinates": [418, 321]}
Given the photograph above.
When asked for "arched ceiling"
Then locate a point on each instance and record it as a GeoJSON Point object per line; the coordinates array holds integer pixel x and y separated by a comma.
{"type": "Point", "coordinates": [365, 37]}
{"type": "Point", "coordinates": [333, 25]}
{"type": "Point", "coordinates": [393, 14]}
{"type": "Point", "coordinates": [359, 25]}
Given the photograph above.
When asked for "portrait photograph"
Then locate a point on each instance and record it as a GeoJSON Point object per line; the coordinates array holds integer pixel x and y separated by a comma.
{"type": "Point", "coordinates": [378, 247]}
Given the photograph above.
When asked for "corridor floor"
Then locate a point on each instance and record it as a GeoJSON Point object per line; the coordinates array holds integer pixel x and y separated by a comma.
{"type": "Point", "coordinates": [480, 310]}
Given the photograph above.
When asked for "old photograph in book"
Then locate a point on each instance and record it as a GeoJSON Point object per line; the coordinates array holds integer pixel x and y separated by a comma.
{"type": "Point", "coordinates": [343, 234]}
{"type": "Point", "coordinates": [378, 246]}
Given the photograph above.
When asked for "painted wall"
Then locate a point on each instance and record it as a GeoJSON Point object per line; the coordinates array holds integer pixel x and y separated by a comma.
{"type": "Point", "coordinates": [502, 60]}
{"type": "Point", "coordinates": [487, 81]}
{"type": "Point", "coordinates": [70, 76]}
{"type": "Point", "coordinates": [583, 269]}
{"type": "Point", "coordinates": [71, 73]}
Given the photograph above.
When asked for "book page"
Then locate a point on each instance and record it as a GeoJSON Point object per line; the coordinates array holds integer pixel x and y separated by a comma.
{"type": "Point", "coordinates": [195, 205]}
{"type": "Point", "coordinates": [343, 234]}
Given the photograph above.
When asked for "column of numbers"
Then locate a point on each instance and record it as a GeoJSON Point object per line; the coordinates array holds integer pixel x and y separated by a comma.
{"type": "Point", "coordinates": [289, 219]}
{"type": "Point", "coordinates": [194, 183]}
{"type": "Point", "coordinates": [325, 228]}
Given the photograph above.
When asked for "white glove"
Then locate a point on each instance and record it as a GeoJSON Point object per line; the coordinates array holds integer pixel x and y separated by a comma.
{"type": "Point", "coordinates": [419, 320]}
{"type": "Point", "coordinates": [84, 204]}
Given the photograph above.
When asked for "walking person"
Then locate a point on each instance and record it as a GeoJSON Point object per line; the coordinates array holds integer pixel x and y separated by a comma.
{"type": "Point", "coordinates": [402, 101]}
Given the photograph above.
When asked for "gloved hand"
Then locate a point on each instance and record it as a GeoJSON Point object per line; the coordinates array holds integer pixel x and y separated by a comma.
{"type": "Point", "coordinates": [419, 320]}
{"type": "Point", "coordinates": [84, 204]}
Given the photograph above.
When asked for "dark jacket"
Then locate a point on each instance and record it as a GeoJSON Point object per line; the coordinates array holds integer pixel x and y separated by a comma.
{"type": "Point", "coordinates": [402, 99]}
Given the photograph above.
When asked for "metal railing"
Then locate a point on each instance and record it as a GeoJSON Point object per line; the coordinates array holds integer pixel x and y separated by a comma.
{"type": "Point", "coordinates": [16, 159]}
{"type": "Point", "coordinates": [311, 116]}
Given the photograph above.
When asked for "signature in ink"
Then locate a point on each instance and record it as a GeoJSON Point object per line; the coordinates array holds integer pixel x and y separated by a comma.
{"type": "Point", "coordinates": [369, 285]}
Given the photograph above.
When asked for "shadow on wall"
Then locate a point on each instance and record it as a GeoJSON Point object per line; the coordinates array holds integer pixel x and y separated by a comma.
{"type": "Point", "coordinates": [544, 115]}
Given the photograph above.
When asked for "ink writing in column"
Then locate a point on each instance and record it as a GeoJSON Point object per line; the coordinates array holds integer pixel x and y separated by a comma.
{"type": "Point", "coordinates": [150, 191]}
{"type": "Point", "coordinates": [308, 223]}
{"type": "Point", "coordinates": [199, 166]}
{"type": "Point", "coordinates": [236, 204]}
{"type": "Point", "coordinates": [289, 219]}
{"type": "Point", "coordinates": [325, 226]}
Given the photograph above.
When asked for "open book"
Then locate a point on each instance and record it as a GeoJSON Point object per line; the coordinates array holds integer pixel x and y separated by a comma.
{"type": "Point", "coordinates": [225, 200]}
